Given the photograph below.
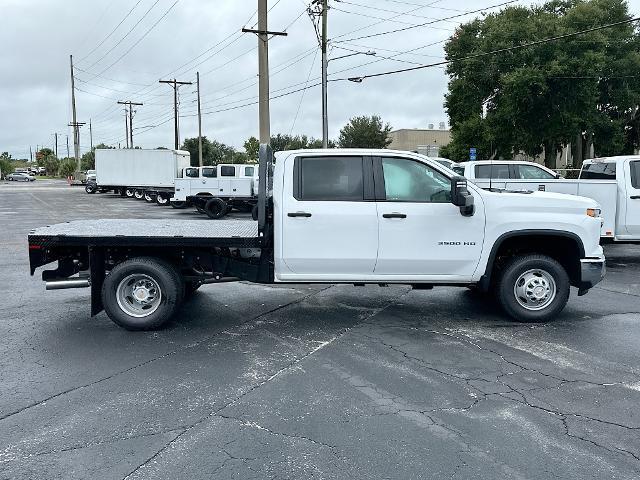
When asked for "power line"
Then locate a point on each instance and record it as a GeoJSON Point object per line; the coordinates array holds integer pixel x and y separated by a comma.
{"type": "Point", "coordinates": [425, 24]}
{"type": "Point", "coordinates": [112, 31]}
{"type": "Point", "coordinates": [143, 36]}
{"type": "Point", "coordinates": [360, 14]}
{"type": "Point", "coordinates": [494, 52]}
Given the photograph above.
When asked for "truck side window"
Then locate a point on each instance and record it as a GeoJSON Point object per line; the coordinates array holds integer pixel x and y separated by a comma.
{"type": "Point", "coordinates": [248, 171]}
{"type": "Point", "coordinates": [497, 170]}
{"type": "Point", "coordinates": [411, 181]}
{"type": "Point", "coordinates": [227, 171]}
{"type": "Point", "coordinates": [599, 171]}
{"type": "Point", "coordinates": [191, 172]}
{"type": "Point", "coordinates": [209, 172]}
{"type": "Point", "coordinates": [635, 173]}
{"type": "Point", "coordinates": [531, 172]}
{"type": "Point", "coordinates": [330, 179]}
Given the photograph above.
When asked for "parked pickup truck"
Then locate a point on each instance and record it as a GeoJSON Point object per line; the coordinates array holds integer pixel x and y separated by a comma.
{"type": "Point", "coordinates": [339, 216]}
{"type": "Point", "coordinates": [613, 182]}
{"type": "Point", "coordinates": [215, 190]}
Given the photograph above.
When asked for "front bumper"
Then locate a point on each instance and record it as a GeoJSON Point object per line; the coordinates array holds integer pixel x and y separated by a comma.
{"type": "Point", "coordinates": [592, 271]}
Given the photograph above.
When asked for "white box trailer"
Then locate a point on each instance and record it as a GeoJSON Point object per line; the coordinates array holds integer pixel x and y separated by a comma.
{"type": "Point", "coordinates": [136, 171]}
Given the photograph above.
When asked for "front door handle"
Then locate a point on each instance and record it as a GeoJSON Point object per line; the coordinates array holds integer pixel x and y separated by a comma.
{"type": "Point", "coordinates": [635, 197]}
{"type": "Point", "coordinates": [299, 214]}
{"type": "Point", "coordinates": [394, 215]}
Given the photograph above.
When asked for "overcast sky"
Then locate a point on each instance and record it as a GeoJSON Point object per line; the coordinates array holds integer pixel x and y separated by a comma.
{"type": "Point", "coordinates": [122, 48]}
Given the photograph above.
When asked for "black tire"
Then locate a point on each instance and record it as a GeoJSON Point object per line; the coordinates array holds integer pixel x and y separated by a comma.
{"type": "Point", "coordinates": [163, 275]}
{"type": "Point", "coordinates": [179, 205]}
{"type": "Point", "coordinates": [129, 192]}
{"type": "Point", "coordinates": [162, 199]}
{"type": "Point", "coordinates": [254, 213]}
{"type": "Point", "coordinates": [148, 198]}
{"type": "Point", "coordinates": [215, 208]}
{"type": "Point", "coordinates": [90, 189]}
{"type": "Point", "coordinates": [138, 194]}
{"type": "Point", "coordinates": [525, 278]}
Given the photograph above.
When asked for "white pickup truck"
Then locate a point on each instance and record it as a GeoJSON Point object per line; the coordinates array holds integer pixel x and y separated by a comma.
{"type": "Point", "coordinates": [215, 190]}
{"type": "Point", "coordinates": [339, 216]}
{"type": "Point", "coordinates": [612, 182]}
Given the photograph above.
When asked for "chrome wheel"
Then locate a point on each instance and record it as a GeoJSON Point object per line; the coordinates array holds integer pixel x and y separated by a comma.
{"type": "Point", "coordinates": [138, 295]}
{"type": "Point", "coordinates": [535, 289]}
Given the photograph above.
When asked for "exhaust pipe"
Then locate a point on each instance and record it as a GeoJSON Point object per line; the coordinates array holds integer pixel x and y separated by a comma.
{"type": "Point", "coordinates": [68, 283]}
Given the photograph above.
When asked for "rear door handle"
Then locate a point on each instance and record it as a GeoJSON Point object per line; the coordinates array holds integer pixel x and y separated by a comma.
{"type": "Point", "coordinates": [394, 215]}
{"type": "Point", "coordinates": [299, 214]}
{"type": "Point", "coordinates": [635, 197]}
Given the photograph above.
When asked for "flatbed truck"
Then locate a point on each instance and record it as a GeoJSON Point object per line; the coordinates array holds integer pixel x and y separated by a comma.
{"type": "Point", "coordinates": [339, 216]}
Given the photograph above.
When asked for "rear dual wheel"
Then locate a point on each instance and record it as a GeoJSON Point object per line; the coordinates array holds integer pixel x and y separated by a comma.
{"type": "Point", "coordinates": [142, 293]}
{"type": "Point", "coordinates": [162, 199]}
{"type": "Point", "coordinates": [138, 194]}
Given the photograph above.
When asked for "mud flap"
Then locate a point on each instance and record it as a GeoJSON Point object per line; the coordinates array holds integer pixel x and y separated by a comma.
{"type": "Point", "coordinates": [96, 266]}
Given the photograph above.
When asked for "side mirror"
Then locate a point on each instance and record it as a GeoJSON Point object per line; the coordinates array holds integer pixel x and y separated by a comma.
{"type": "Point", "coordinates": [461, 197]}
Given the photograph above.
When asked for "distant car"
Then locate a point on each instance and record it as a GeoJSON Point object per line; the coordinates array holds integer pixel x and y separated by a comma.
{"type": "Point", "coordinates": [20, 177]}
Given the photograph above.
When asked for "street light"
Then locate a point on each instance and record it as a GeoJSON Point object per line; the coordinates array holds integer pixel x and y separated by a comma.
{"type": "Point", "coordinates": [370, 53]}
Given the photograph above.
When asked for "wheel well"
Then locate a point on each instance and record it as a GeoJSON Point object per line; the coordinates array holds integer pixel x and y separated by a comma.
{"type": "Point", "coordinates": [564, 248]}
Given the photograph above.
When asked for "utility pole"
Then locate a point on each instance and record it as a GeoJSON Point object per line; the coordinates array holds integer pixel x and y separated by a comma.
{"type": "Point", "coordinates": [126, 127]}
{"type": "Point", "coordinates": [30, 154]}
{"type": "Point", "coordinates": [55, 150]}
{"type": "Point", "coordinates": [131, 104]}
{"type": "Point", "coordinates": [68, 146]}
{"type": "Point", "coordinates": [176, 84]}
{"type": "Point", "coordinates": [199, 122]}
{"type": "Point", "coordinates": [325, 67]}
{"type": "Point", "coordinates": [90, 135]}
{"type": "Point", "coordinates": [76, 131]}
{"type": "Point", "coordinates": [263, 69]}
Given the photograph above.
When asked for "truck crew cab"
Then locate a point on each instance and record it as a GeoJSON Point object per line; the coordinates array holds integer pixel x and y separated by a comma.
{"type": "Point", "coordinates": [339, 216]}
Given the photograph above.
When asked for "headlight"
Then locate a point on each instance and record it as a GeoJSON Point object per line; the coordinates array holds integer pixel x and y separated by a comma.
{"type": "Point", "coordinates": [594, 212]}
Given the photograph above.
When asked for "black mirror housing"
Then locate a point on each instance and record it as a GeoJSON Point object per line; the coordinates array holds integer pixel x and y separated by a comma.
{"type": "Point", "coordinates": [461, 197]}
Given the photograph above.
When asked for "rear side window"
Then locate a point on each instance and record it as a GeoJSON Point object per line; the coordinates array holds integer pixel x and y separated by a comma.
{"type": "Point", "coordinates": [599, 171]}
{"type": "Point", "coordinates": [531, 172]}
{"type": "Point", "coordinates": [635, 173]}
{"type": "Point", "coordinates": [191, 172]}
{"type": "Point", "coordinates": [209, 172]}
{"type": "Point", "coordinates": [330, 179]}
{"type": "Point", "coordinates": [227, 171]}
{"type": "Point", "coordinates": [497, 170]}
{"type": "Point", "coordinates": [248, 171]}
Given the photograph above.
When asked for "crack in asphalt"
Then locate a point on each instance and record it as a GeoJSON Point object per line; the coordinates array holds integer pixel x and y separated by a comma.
{"type": "Point", "coordinates": [289, 366]}
{"type": "Point", "coordinates": [160, 357]}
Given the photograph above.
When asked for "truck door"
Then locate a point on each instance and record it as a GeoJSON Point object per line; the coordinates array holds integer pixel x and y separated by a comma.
{"type": "Point", "coordinates": [209, 181]}
{"type": "Point", "coordinates": [227, 173]}
{"type": "Point", "coordinates": [421, 232]}
{"type": "Point", "coordinates": [329, 218]}
{"type": "Point", "coordinates": [632, 171]}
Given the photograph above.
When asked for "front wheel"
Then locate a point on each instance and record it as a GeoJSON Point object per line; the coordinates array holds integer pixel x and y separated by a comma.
{"type": "Point", "coordinates": [142, 293]}
{"type": "Point", "coordinates": [533, 288]}
{"type": "Point", "coordinates": [90, 188]}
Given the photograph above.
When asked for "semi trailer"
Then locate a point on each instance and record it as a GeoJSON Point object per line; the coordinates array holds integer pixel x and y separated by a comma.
{"type": "Point", "coordinates": [339, 216]}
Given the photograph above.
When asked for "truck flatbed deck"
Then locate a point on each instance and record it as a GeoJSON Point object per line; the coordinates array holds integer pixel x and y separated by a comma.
{"type": "Point", "coordinates": [167, 233]}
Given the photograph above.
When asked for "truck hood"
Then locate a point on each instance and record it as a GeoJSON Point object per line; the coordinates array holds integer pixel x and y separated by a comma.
{"type": "Point", "coordinates": [539, 201]}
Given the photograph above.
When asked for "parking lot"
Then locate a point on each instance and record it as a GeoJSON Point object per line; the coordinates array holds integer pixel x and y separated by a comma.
{"type": "Point", "coordinates": [253, 381]}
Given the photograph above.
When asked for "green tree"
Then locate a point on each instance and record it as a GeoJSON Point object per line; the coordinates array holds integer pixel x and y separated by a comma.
{"type": "Point", "coordinates": [252, 147]}
{"type": "Point", "coordinates": [67, 167]}
{"type": "Point", "coordinates": [213, 152]}
{"type": "Point", "coordinates": [51, 165]}
{"type": "Point", "coordinates": [539, 98]}
{"type": "Point", "coordinates": [365, 132]}
{"type": "Point", "coordinates": [6, 166]}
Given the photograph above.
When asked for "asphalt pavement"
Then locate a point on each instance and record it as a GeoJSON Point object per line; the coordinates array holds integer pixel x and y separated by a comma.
{"type": "Point", "coordinates": [298, 382]}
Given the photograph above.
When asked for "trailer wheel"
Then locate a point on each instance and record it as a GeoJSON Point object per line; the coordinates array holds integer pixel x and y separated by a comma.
{"type": "Point", "coordinates": [148, 197]}
{"type": "Point", "coordinates": [162, 199]}
{"type": "Point", "coordinates": [142, 293]}
{"type": "Point", "coordinates": [179, 205]}
{"type": "Point", "coordinates": [138, 194]}
{"type": "Point", "coordinates": [216, 208]}
{"type": "Point", "coordinates": [533, 288]}
{"type": "Point", "coordinates": [129, 192]}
